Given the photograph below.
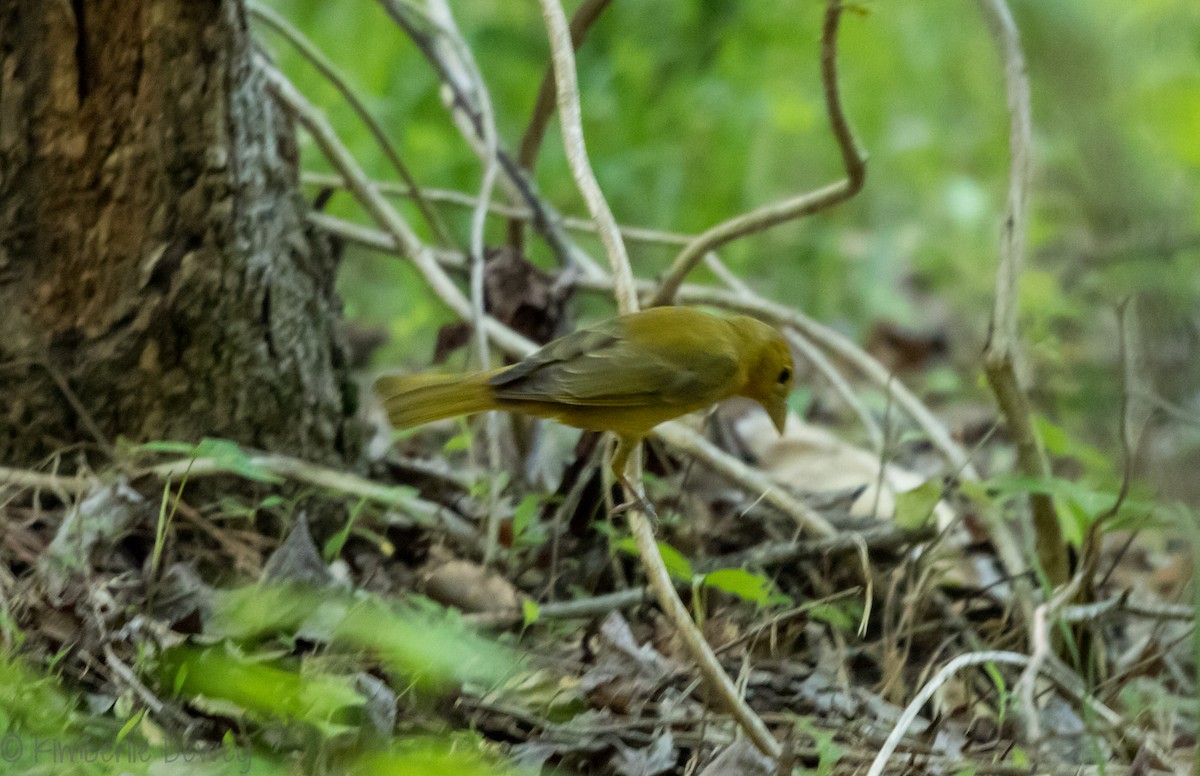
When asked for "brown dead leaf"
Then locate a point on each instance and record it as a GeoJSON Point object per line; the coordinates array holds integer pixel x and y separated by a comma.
{"type": "Point", "coordinates": [719, 628]}
{"type": "Point", "coordinates": [625, 673]}
{"type": "Point", "coordinates": [810, 459]}
{"type": "Point", "coordinates": [658, 757]}
{"type": "Point", "coordinates": [467, 585]}
{"type": "Point", "coordinates": [519, 295]}
{"type": "Point", "coordinates": [903, 349]}
{"type": "Point", "coordinates": [741, 758]}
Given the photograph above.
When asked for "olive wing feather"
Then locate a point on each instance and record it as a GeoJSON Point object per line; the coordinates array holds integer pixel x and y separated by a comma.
{"type": "Point", "coordinates": [596, 367]}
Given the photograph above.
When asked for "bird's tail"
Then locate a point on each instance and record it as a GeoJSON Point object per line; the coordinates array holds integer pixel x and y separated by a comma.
{"type": "Point", "coordinates": [411, 400]}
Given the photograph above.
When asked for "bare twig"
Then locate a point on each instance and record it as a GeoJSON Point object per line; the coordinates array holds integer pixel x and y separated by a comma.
{"type": "Point", "coordinates": [579, 609]}
{"type": "Point", "coordinates": [326, 68]}
{"type": "Point", "coordinates": [545, 220]}
{"type": "Point", "coordinates": [543, 108]}
{"type": "Point", "coordinates": [765, 555]}
{"type": "Point", "coordinates": [885, 536]}
{"type": "Point", "coordinates": [1001, 349]}
{"type": "Point", "coordinates": [163, 711]}
{"type": "Point", "coordinates": [581, 23]}
{"type": "Point", "coordinates": [570, 115]}
{"type": "Point", "coordinates": [462, 199]}
{"type": "Point", "coordinates": [397, 229]}
{"type": "Point", "coordinates": [696, 446]}
{"type": "Point", "coordinates": [1053, 668]}
{"type": "Point", "coordinates": [796, 207]}
{"type": "Point", "coordinates": [85, 417]}
{"type": "Point", "coordinates": [1128, 357]}
{"type": "Point", "coordinates": [1154, 610]}
{"type": "Point", "coordinates": [933, 685]}
{"type": "Point", "coordinates": [405, 499]}
{"type": "Point", "coordinates": [449, 29]}
{"type": "Point", "coordinates": [625, 291]}
{"type": "Point", "coordinates": [62, 486]}
{"type": "Point", "coordinates": [1040, 637]}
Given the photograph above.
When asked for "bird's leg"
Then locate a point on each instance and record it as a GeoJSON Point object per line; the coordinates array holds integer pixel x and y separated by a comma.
{"type": "Point", "coordinates": [626, 445]}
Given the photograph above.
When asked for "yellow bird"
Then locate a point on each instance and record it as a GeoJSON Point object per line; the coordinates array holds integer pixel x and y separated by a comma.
{"type": "Point", "coordinates": [625, 375]}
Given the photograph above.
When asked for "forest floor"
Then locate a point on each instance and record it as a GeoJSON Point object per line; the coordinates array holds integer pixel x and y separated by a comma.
{"type": "Point", "coordinates": [224, 603]}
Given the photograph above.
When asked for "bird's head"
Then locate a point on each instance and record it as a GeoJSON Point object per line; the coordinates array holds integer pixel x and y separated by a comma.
{"type": "Point", "coordinates": [771, 370]}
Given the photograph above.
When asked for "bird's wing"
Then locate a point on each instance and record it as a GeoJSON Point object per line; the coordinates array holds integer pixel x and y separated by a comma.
{"type": "Point", "coordinates": [597, 367]}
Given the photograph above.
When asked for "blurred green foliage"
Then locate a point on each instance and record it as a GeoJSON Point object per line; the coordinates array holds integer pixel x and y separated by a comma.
{"type": "Point", "coordinates": [301, 714]}
{"type": "Point", "coordinates": [697, 111]}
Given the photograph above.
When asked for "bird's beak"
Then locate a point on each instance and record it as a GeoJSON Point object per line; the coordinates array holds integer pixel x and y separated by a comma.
{"type": "Point", "coordinates": [778, 411]}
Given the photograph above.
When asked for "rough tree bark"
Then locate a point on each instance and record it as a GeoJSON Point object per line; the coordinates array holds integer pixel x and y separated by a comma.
{"type": "Point", "coordinates": [157, 280]}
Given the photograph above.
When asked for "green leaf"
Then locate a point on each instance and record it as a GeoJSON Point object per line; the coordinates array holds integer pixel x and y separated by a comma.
{"type": "Point", "coordinates": [166, 446]}
{"type": "Point", "coordinates": [836, 616]}
{"type": "Point", "coordinates": [531, 611]}
{"type": "Point", "coordinates": [432, 648]}
{"type": "Point", "coordinates": [129, 725]}
{"type": "Point", "coordinates": [425, 758]}
{"type": "Point", "coordinates": [460, 441]}
{"type": "Point", "coordinates": [829, 752]}
{"type": "Point", "coordinates": [750, 587]}
{"type": "Point", "coordinates": [1058, 442]}
{"type": "Point", "coordinates": [228, 456]}
{"type": "Point", "coordinates": [266, 688]}
{"type": "Point", "coordinates": [914, 507]}
{"type": "Point", "coordinates": [979, 492]}
{"type": "Point", "coordinates": [524, 516]}
{"type": "Point", "coordinates": [333, 547]}
{"type": "Point", "coordinates": [679, 567]}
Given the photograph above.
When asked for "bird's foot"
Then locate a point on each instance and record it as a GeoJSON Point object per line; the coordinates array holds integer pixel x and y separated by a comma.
{"type": "Point", "coordinates": [639, 501]}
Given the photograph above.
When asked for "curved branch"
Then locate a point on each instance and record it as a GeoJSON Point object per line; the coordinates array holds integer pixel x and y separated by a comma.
{"type": "Point", "coordinates": [397, 229]}
{"type": "Point", "coordinates": [326, 68]}
{"type": "Point", "coordinates": [838, 343]}
{"type": "Point", "coordinates": [631, 234]}
{"type": "Point", "coordinates": [1000, 352]}
{"type": "Point", "coordinates": [545, 219]}
{"type": "Point", "coordinates": [543, 108]}
{"type": "Point", "coordinates": [487, 152]}
{"type": "Point", "coordinates": [809, 351]}
{"type": "Point", "coordinates": [571, 118]}
{"type": "Point", "coordinates": [796, 207]}
{"type": "Point", "coordinates": [625, 290]}
{"type": "Point", "coordinates": [682, 438]}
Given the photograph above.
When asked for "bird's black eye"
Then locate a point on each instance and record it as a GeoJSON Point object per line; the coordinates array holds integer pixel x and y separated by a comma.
{"type": "Point", "coordinates": [785, 374]}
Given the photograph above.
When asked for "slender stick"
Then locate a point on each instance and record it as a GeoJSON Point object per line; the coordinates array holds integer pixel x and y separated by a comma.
{"type": "Point", "coordinates": [795, 207]}
{"type": "Point", "coordinates": [326, 68]}
{"type": "Point", "coordinates": [810, 353]}
{"type": "Point", "coordinates": [543, 108]}
{"type": "Point", "coordinates": [838, 343]}
{"type": "Point", "coordinates": [571, 118]}
{"type": "Point", "coordinates": [384, 215]}
{"type": "Point", "coordinates": [933, 685]}
{"type": "Point", "coordinates": [441, 13]}
{"type": "Point", "coordinates": [681, 437]}
{"type": "Point", "coordinates": [462, 199]}
{"type": "Point", "coordinates": [625, 291]}
{"type": "Point", "coordinates": [1000, 353]}
{"type": "Point", "coordinates": [546, 220]}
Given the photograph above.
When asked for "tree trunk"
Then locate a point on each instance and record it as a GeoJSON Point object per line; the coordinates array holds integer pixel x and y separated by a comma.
{"type": "Point", "coordinates": [157, 279]}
